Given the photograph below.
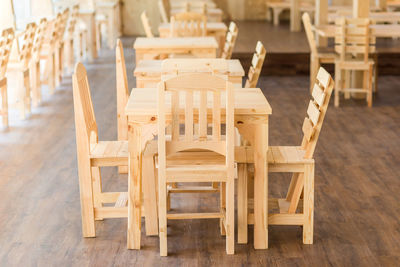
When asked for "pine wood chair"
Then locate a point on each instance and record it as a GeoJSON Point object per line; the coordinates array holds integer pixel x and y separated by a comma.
{"type": "Point", "coordinates": [317, 56]}
{"type": "Point", "coordinates": [18, 70]}
{"type": "Point", "coordinates": [188, 24]}
{"type": "Point", "coordinates": [186, 168]}
{"type": "Point", "coordinates": [48, 54]}
{"type": "Point", "coordinates": [6, 41]}
{"type": "Point", "coordinates": [71, 39]}
{"type": "Point", "coordinates": [149, 184]}
{"type": "Point", "coordinates": [61, 32]}
{"type": "Point", "coordinates": [92, 155]}
{"type": "Point", "coordinates": [146, 25]}
{"type": "Point", "coordinates": [354, 42]}
{"type": "Point", "coordinates": [34, 67]}
{"type": "Point", "coordinates": [163, 11]}
{"type": "Point", "coordinates": [230, 42]}
{"type": "Point", "coordinates": [256, 66]}
{"type": "Point", "coordinates": [298, 160]}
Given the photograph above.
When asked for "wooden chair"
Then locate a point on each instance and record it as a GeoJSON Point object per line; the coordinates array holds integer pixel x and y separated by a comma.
{"type": "Point", "coordinates": [34, 67]}
{"type": "Point", "coordinates": [317, 57]}
{"type": "Point", "coordinates": [71, 39]}
{"type": "Point", "coordinates": [292, 210]}
{"type": "Point", "coordinates": [188, 24]}
{"type": "Point", "coordinates": [6, 41]}
{"type": "Point", "coordinates": [163, 11]}
{"type": "Point", "coordinates": [92, 155]}
{"type": "Point", "coordinates": [148, 184]}
{"type": "Point", "coordinates": [146, 25]}
{"type": "Point", "coordinates": [256, 66]}
{"type": "Point", "coordinates": [61, 32]}
{"type": "Point", "coordinates": [18, 70]}
{"type": "Point", "coordinates": [48, 54]}
{"type": "Point", "coordinates": [354, 42]}
{"type": "Point", "coordinates": [176, 166]}
{"type": "Point", "coordinates": [230, 42]}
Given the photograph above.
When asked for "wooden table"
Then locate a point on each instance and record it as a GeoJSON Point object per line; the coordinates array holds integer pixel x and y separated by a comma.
{"type": "Point", "coordinates": [112, 13]}
{"type": "Point", "coordinates": [379, 30]}
{"type": "Point", "coordinates": [215, 29]}
{"type": "Point", "coordinates": [88, 17]}
{"type": "Point", "coordinates": [148, 72]}
{"type": "Point", "coordinates": [375, 17]}
{"type": "Point", "coordinates": [251, 118]}
{"type": "Point", "coordinates": [149, 48]}
{"type": "Point", "coordinates": [213, 14]}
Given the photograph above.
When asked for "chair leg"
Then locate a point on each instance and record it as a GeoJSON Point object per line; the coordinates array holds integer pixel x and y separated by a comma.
{"type": "Point", "coordinates": [295, 190]}
{"type": "Point", "coordinates": [230, 215]}
{"type": "Point", "coordinates": [242, 204]}
{"type": "Point", "coordinates": [222, 200]}
{"type": "Point", "coordinates": [97, 188]}
{"type": "Point", "coordinates": [337, 84]}
{"type": "Point", "coordinates": [4, 105]}
{"type": "Point", "coordinates": [150, 195]}
{"type": "Point", "coordinates": [369, 77]}
{"type": "Point", "coordinates": [20, 99]}
{"type": "Point", "coordinates": [162, 215]}
{"type": "Point", "coordinates": [346, 83]}
{"type": "Point", "coordinates": [27, 99]}
{"type": "Point", "coordinates": [86, 196]}
{"type": "Point", "coordinates": [308, 204]}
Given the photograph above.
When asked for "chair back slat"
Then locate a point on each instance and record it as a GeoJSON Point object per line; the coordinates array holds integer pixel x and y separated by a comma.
{"type": "Point", "coordinates": [202, 97]}
{"type": "Point", "coordinates": [188, 24]}
{"type": "Point", "coordinates": [28, 38]}
{"type": "Point", "coordinates": [122, 91]}
{"type": "Point", "coordinates": [230, 41]}
{"type": "Point", "coordinates": [354, 38]}
{"type": "Point", "coordinates": [39, 38]}
{"type": "Point", "coordinates": [316, 111]}
{"type": "Point", "coordinates": [85, 121]}
{"type": "Point", "coordinates": [6, 42]}
{"type": "Point", "coordinates": [256, 66]}
{"type": "Point", "coordinates": [146, 25]}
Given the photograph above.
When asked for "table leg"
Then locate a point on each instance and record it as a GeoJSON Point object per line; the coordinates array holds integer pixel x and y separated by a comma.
{"type": "Point", "coordinates": [260, 145]}
{"type": "Point", "coordinates": [134, 186]}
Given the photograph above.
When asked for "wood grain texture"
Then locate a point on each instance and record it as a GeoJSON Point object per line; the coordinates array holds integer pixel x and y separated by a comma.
{"type": "Point", "coordinates": [356, 186]}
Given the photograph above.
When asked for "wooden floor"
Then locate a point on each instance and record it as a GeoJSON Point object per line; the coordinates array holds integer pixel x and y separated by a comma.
{"type": "Point", "coordinates": [357, 211]}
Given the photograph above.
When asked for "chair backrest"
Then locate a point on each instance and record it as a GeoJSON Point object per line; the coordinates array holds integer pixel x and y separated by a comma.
{"type": "Point", "coordinates": [194, 100]}
{"type": "Point", "coordinates": [85, 121]}
{"type": "Point", "coordinates": [39, 38]}
{"type": "Point", "coordinates": [73, 19]}
{"type": "Point", "coordinates": [196, 6]}
{"type": "Point", "coordinates": [316, 111]}
{"type": "Point", "coordinates": [354, 37]}
{"type": "Point", "coordinates": [188, 24]}
{"type": "Point", "coordinates": [28, 38]}
{"type": "Point", "coordinates": [146, 25]}
{"type": "Point", "coordinates": [310, 34]}
{"type": "Point", "coordinates": [62, 26]}
{"type": "Point", "coordinates": [6, 42]}
{"type": "Point", "coordinates": [230, 41]}
{"type": "Point", "coordinates": [163, 12]}
{"type": "Point", "coordinates": [122, 92]}
{"type": "Point", "coordinates": [256, 66]}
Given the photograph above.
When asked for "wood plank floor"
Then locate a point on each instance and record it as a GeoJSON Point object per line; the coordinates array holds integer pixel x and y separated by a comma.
{"type": "Point", "coordinates": [356, 189]}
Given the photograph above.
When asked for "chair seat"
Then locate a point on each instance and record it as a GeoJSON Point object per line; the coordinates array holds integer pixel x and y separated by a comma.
{"type": "Point", "coordinates": [287, 155]}
{"type": "Point", "coordinates": [355, 64]}
{"type": "Point", "coordinates": [109, 149]}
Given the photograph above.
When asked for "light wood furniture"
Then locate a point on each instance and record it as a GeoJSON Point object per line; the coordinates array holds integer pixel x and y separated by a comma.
{"type": "Point", "coordinates": [146, 25]}
{"type": "Point", "coordinates": [209, 87]}
{"type": "Point", "coordinates": [230, 41]}
{"type": "Point", "coordinates": [317, 57]}
{"type": "Point", "coordinates": [163, 11]}
{"type": "Point", "coordinates": [150, 48]}
{"type": "Point", "coordinates": [149, 186]}
{"type": "Point", "coordinates": [377, 30]}
{"type": "Point", "coordinates": [290, 159]}
{"type": "Point", "coordinates": [92, 155]}
{"type": "Point", "coordinates": [6, 41]}
{"type": "Point", "coordinates": [148, 72]}
{"type": "Point", "coordinates": [18, 70]}
{"type": "Point", "coordinates": [69, 39]}
{"type": "Point", "coordinates": [295, 7]}
{"type": "Point", "coordinates": [214, 29]}
{"type": "Point", "coordinates": [34, 66]}
{"type": "Point", "coordinates": [251, 110]}
{"type": "Point", "coordinates": [353, 43]}
{"type": "Point", "coordinates": [375, 17]}
{"type": "Point", "coordinates": [188, 24]}
{"type": "Point", "coordinates": [213, 14]}
{"type": "Point", "coordinates": [256, 66]}
{"type": "Point", "coordinates": [111, 11]}
{"type": "Point", "coordinates": [61, 29]}
{"type": "Point", "coordinates": [88, 17]}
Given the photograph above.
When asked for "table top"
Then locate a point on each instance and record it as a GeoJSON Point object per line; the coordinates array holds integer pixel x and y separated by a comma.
{"type": "Point", "coordinates": [211, 26]}
{"type": "Point", "coordinates": [379, 30]}
{"type": "Point", "coordinates": [154, 68]}
{"type": "Point", "coordinates": [175, 42]}
{"type": "Point", "coordinates": [374, 16]}
{"type": "Point", "coordinates": [248, 101]}
{"type": "Point", "coordinates": [210, 11]}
